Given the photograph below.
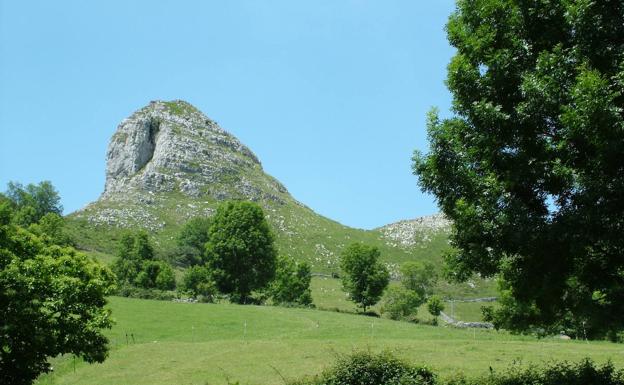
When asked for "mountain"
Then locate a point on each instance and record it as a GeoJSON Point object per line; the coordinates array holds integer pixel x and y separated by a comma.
{"type": "Point", "coordinates": [168, 162]}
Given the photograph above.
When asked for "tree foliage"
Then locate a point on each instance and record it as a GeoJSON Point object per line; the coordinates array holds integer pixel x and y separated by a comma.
{"type": "Point", "coordinates": [33, 201]}
{"type": "Point", "coordinates": [401, 303]}
{"type": "Point", "coordinates": [435, 306]}
{"type": "Point", "coordinates": [198, 283]}
{"type": "Point", "coordinates": [191, 241]}
{"type": "Point", "coordinates": [240, 251]}
{"type": "Point", "coordinates": [419, 277]}
{"type": "Point", "coordinates": [530, 168]}
{"type": "Point", "coordinates": [291, 284]}
{"type": "Point", "coordinates": [52, 302]}
{"type": "Point", "coordinates": [135, 264]}
{"type": "Point", "coordinates": [365, 278]}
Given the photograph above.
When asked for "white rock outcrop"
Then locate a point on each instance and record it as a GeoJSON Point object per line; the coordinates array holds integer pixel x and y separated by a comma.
{"type": "Point", "coordinates": [414, 232]}
{"type": "Point", "coordinates": [168, 146]}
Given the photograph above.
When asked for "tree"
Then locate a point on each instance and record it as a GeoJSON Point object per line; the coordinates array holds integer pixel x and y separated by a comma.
{"type": "Point", "coordinates": [51, 227]}
{"type": "Point", "coordinates": [132, 251]}
{"type": "Point", "coordinates": [192, 240]}
{"type": "Point", "coordinates": [364, 278]}
{"type": "Point", "coordinates": [400, 303]}
{"type": "Point", "coordinates": [419, 277]}
{"type": "Point", "coordinates": [530, 167]}
{"type": "Point", "coordinates": [155, 275]}
{"type": "Point", "coordinates": [435, 306]}
{"type": "Point", "coordinates": [52, 302]}
{"type": "Point", "coordinates": [240, 251]}
{"type": "Point", "coordinates": [198, 283]}
{"type": "Point", "coordinates": [135, 264]}
{"type": "Point", "coordinates": [33, 201]}
{"type": "Point", "coordinates": [292, 282]}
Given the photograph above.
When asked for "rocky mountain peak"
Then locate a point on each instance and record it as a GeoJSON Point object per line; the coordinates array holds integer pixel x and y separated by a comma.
{"type": "Point", "coordinates": [172, 146]}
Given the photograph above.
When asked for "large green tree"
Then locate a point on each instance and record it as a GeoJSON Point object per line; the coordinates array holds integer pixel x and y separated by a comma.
{"type": "Point", "coordinates": [530, 167]}
{"type": "Point", "coordinates": [364, 277]}
{"type": "Point", "coordinates": [191, 241]}
{"type": "Point", "coordinates": [240, 251]}
{"type": "Point", "coordinates": [51, 302]}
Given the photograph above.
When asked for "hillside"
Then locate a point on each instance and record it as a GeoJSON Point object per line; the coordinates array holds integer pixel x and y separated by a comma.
{"type": "Point", "coordinates": [157, 342]}
{"type": "Point", "coordinates": [168, 162]}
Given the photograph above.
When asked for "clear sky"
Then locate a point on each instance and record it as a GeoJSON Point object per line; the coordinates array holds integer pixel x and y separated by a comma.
{"type": "Point", "coordinates": [330, 94]}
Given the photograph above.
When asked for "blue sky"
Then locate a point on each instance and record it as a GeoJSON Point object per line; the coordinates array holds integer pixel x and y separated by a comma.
{"type": "Point", "coordinates": [331, 95]}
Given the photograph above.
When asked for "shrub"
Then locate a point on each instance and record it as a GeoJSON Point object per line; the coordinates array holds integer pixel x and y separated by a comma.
{"type": "Point", "coordinates": [127, 290]}
{"type": "Point", "coordinates": [559, 373]}
{"type": "Point", "coordinates": [365, 368]}
{"type": "Point", "coordinates": [135, 264]}
{"type": "Point", "coordinates": [155, 274]}
{"type": "Point", "coordinates": [400, 303]}
{"type": "Point", "coordinates": [435, 306]}
{"type": "Point", "coordinates": [291, 285]}
{"type": "Point", "coordinates": [198, 283]}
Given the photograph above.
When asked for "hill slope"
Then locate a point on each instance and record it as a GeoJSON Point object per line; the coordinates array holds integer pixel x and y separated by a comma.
{"type": "Point", "coordinates": [168, 162]}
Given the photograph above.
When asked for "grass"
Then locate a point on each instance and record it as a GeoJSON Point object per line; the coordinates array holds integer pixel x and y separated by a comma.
{"type": "Point", "coordinates": [176, 343]}
{"type": "Point", "coordinates": [466, 311]}
{"type": "Point", "coordinates": [327, 294]}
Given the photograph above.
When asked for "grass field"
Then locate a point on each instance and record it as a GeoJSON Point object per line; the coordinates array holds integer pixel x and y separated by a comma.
{"type": "Point", "coordinates": [156, 342]}
{"type": "Point", "coordinates": [328, 295]}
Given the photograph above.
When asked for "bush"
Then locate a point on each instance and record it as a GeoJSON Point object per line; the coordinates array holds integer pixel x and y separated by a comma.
{"type": "Point", "coordinates": [435, 306]}
{"type": "Point", "coordinates": [365, 368]}
{"type": "Point", "coordinates": [198, 283]}
{"type": "Point", "coordinates": [291, 285]}
{"type": "Point", "coordinates": [155, 274]}
{"type": "Point", "coordinates": [560, 373]}
{"type": "Point", "coordinates": [127, 290]}
{"type": "Point", "coordinates": [400, 303]}
{"type": "Point", "coordinates": [135, 264]}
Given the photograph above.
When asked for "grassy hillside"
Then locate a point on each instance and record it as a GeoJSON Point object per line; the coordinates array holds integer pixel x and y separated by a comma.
{"type": "Point", "coordinates": [168, 162]}
{"type": "Point", "coordinates": [300, 232]}
{"type": "Point", "coordinates": [176, 343]}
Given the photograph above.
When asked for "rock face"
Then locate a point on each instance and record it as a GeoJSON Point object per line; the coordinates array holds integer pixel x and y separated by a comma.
{"type": "Point", "coordinates": [168, 163]}
{"type": "Point", "coordinates": [415, 232]}
{"type": "Point", "coordinates": [172, 146]}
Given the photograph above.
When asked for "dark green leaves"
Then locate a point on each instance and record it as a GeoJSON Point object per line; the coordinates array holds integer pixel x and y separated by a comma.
{"type": "Point", "coordinates": [530, 169]}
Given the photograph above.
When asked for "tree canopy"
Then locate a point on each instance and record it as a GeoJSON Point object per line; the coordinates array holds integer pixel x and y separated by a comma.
{"type": "Point", "coordinates": [135, 264]}
{"type": "Point", "coordinates": [530, 167]}
{"type": "Point", "coordinates": [291, 284]}
{"type": "Point", "coordinates": [52, 302]}
{"type": "Point", "coordinates": [191, 241]}
{"type": "Point", "coordinates": [33, 201]}
{"type": "Point", "coordinates": [240, 251]}
{"type": "Point", "coordinates": [419, 277]}
{"type": "Point", "coordinates": [365, 278]}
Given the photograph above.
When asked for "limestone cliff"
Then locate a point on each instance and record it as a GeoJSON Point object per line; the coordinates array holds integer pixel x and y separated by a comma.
{"type": "Point", "coordinates": [168, 162]}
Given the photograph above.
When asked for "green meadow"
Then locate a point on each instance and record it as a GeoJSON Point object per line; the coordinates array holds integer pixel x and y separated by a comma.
{"type": "Point", "coordinates": [158, 342]}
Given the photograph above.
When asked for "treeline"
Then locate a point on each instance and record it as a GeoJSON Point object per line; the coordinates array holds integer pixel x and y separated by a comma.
{"type": "Point", "coordinates": [231, 255]}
